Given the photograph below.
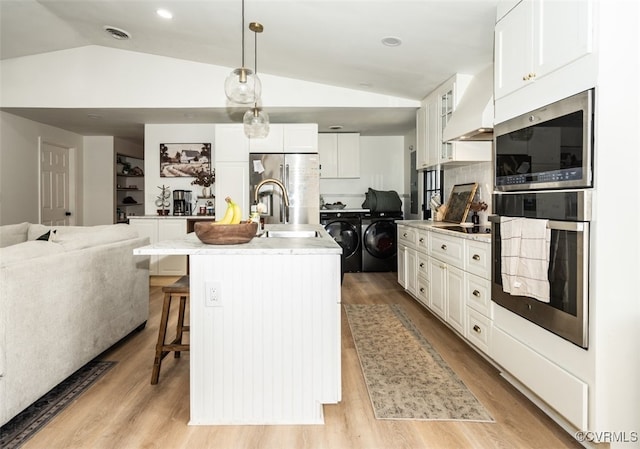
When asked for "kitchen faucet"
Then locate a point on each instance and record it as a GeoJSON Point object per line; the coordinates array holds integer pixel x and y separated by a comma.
{"type": "Point", "coordinates": [285, 195]}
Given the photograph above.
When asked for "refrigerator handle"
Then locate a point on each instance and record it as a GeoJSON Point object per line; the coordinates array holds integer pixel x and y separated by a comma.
{"type": "Point", "coordinates": [282, 174]}
{"type": "Point", "coordinates": [286, 184]}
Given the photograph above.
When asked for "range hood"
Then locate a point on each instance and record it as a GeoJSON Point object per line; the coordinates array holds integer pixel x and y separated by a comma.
{"type": "Point", "coordinates": [473, 117]}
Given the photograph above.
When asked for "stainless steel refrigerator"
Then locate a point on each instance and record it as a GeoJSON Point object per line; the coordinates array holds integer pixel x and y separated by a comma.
{"type": "Point", "coordinates": [300, 174]}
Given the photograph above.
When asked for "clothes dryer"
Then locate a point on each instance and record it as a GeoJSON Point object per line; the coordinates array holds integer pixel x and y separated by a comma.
{"type": "Point", "coordinates": [344, 227]}
{"type": "Point", "coordinates": [379, 241]}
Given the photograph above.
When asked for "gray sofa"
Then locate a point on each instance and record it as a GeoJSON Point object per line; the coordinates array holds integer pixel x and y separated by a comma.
{"type": "Point", "coordinates": [66, 295]}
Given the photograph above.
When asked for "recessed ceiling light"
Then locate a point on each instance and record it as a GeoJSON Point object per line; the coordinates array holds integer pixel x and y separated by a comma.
{"type": "Point", "coordinates": [335, 127]}
{"type": "Point", "coordinates": [117, 33]}
{"type": "Point", "coordinates": [164, 13]}
{"type": "Point", "coordinates": [94, 116]}
{"type": "Point", "coordinates": [391, 41]}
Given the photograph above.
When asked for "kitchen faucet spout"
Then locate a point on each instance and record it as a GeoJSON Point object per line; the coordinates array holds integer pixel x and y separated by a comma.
{"type": "Point", "coordinates": [285, 194]}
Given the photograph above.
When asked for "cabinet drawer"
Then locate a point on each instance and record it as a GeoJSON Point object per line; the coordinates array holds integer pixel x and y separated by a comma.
{"type": "Point", "coordinates": [478, 294]}
{"type": "Point", "coordinates": [422, 240]}
{"type": "Point", "coordinates": [478, 258]}
{"type": "Point", "coordinates": [407, 236]}
{"type": "Point", "coordinates": [423, 265]}
{"type": "Point", "coordinates": [422, 291]}
{"type": "Point", "coordinates": [478, 330]}
{"type": "Point", "coordinates": [447, 249]}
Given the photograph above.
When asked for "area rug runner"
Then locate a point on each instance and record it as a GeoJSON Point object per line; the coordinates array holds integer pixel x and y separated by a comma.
{"type": "Point", "coordinates": [26, 424]}
{"type": "Point", "coordinates": [405, 376]}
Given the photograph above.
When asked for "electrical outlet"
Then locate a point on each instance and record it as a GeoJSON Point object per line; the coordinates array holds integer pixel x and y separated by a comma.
{"type": "Point", "coordinates": [213, 294]}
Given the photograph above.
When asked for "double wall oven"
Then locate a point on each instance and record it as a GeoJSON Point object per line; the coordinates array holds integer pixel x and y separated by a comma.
{"type": "Point", "coordinates": [544, 171]}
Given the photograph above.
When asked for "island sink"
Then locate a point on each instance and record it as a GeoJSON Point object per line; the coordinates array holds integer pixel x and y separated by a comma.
{"type": "Point", "coordinates": [291, 234]}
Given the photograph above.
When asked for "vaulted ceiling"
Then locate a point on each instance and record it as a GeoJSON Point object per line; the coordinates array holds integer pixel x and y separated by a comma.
{"type": "Point", "coordinates": [336, 43]}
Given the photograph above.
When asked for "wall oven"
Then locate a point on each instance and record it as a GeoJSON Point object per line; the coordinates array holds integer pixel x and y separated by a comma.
{"type": "Point", "coordinates": [549, 148]}
{"type": "Point", "coordinates": [568, 214]}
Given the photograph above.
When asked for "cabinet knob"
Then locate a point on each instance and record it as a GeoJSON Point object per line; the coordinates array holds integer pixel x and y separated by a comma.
{"type": "Point", "coordinates": [404, 235]}
{"type": "Point", "coordinates": [476, 293]}
{"type": "Point", "coordinates": [477, 329]}
{"type": "Point", "coordinates": [443, 247]}
{"type": "Point", "coordinates": [421, 264]}
{"type": "Point", "coordinates": [476, 257]}
{"type": "Point", "coordinates": [421, 289]}
{"type": "Point", "coordinates": [421, 239]}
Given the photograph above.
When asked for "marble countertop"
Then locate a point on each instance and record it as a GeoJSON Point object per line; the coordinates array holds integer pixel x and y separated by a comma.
{"type": "Point", "coordinates": [337, 211]}
{"type": "Point", "coordinates": [437, 226]}
{"type": "Point", "coordinates": [191, 245]}
{"type": "Point", "coordinates": [173, 217]}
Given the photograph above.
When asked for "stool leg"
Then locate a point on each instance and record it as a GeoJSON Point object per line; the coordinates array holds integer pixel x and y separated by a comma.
{"type": "Point", "coordinates": [180, 326]}
{"type": "Point", "coordinates": [162, 333]}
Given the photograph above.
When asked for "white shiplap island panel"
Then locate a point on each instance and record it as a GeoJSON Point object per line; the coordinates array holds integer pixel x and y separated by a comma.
{"type": "Point", "coordinates": [269, 351]}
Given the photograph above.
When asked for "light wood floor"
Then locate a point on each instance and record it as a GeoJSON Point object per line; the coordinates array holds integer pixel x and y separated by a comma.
{"type": "Point", "coordinates": [123, 411]}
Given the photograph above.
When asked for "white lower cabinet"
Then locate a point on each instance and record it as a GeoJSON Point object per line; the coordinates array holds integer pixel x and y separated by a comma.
{"type": "Point", "coordinates": [158, 229]}
{"type": "Point", "coordinates": [450, 275]}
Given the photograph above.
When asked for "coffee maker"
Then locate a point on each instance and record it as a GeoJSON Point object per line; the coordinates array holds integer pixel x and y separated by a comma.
{"type": "Point", "coordinates": [182, 202]}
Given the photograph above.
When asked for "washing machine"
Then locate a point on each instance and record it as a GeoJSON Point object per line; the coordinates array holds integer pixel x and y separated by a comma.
{"type": "Point", "coordinates": [379, 241]}
{"type": "Point", "coordinates": [344, 227]}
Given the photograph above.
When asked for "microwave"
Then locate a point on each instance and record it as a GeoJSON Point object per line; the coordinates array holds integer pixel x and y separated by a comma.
{"type": "Point", "coordinates": [548, 148]}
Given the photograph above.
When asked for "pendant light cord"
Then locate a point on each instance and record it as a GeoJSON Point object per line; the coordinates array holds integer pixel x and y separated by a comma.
{"type": "Point", "coordinates": [243, 33]}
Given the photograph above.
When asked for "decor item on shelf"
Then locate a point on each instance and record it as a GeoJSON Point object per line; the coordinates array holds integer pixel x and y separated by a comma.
{"type": "Point", "coordinates": [242, 86]}
{"type": "Point", "coordinates": [256, 120]}
{"type": "Point", "coordinates": [205, 179]}
{"type": "Point", "coordinates": [460, 202]}
{"type": "Point", "coordinates": [163, 200]}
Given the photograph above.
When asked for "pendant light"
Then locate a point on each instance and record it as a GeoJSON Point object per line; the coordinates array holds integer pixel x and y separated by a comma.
{"type": "Point", "coordinates": [256, 120]}
{"type": "Point", "coordinates": [242, 86]}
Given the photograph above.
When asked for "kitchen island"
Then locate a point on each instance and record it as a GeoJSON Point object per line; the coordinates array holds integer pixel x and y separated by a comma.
{"type": "Point", "coordinates": [264, 326]}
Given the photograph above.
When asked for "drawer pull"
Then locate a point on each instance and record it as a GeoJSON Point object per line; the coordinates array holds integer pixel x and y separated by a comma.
{"type": "Point", "coordinates": [476, 257]}
{"type": "Point", "coordinates": [404, 235]}
{"type": "Point", "coordinates": [477, 329]}
{"type": "Point", "coordinates": [476, 293]}
{"type": "Point", "coordinates": [421, 289]}
{"type": "Point", "coordinates": [443, 247]}
{"type": "Point", "coordinates": [421, 264]}
{"type": "Point", "coordinates": [421, 239]}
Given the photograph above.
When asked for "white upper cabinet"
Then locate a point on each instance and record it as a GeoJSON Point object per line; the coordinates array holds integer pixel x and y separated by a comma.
{"type": "Point", "coordinates": [231, 144]}
{"type": "Point", "coordinates": [287, 138]}
{"type": "Point", "coordinates": [273, 143]}
{"type": "Point", "coordinates": [538, 37]}
{"type": "Point", "coordinates": [339, 155]}
{"type": "Point", "coordinates": [300, 138]}
{"type": "Point", "coordinates": [436, 111]}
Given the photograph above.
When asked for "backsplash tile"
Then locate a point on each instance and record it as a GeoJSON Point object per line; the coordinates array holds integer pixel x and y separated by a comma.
{"type": "Point", "coordinates": [482, 173]}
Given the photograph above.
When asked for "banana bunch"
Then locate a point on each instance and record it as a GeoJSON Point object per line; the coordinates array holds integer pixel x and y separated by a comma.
{"type": "Point", "coordinates": [233, 214]}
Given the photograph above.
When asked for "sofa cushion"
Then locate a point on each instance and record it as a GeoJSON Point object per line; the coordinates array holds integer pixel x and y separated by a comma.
{"type": "Point", "coordinates": [12, 234]}
{"type": "Point", "coordinates": [37, 230]}
{"type": "Point", "coordinates": [28, 250]}
{"type": "Point", "coordinates": [79, 237]}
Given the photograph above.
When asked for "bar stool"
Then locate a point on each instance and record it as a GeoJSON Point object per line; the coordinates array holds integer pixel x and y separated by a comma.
{"type": "Point", "coordinates": [179, 289]}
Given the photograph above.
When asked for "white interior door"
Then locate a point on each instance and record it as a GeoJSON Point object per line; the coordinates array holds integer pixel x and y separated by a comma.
{"type": "Point", "coordinates": [54, 185]}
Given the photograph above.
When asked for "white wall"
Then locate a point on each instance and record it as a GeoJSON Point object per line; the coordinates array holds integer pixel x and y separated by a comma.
{"type": "Point", "coordinates": [99, 180]}
{"type": "Point", "coordinates": [381, 168]}
{"type": "Point", "coordinates": [154, 135]}
{"type": "Point", "coordinates": [143, 80]}
{"type": "Point", "coordinates": [20, 168]}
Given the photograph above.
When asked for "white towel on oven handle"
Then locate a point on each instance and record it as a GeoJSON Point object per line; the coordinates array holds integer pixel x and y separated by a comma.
{"type": "Point", "coordinates": [525, 248]}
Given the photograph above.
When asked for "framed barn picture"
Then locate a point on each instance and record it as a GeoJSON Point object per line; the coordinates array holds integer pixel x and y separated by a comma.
{"type": "Point", "coordinates": [184, 159]}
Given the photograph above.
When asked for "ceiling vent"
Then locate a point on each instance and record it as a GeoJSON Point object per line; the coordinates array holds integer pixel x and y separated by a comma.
{"type": "Point", "coordinates": [117, 33]}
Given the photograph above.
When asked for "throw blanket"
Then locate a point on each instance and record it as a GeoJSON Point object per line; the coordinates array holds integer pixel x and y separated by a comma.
{"type": "Point", "coordinates": [525, 247]}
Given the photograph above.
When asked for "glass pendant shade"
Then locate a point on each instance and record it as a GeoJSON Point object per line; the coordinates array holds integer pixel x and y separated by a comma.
{"type": "Point", "coordinates": [256, 123]}
{"type": "Point", "coordinates": [242, 86]}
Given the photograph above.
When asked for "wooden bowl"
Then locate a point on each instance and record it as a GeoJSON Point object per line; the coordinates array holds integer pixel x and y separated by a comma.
{"type": "Point", "coordinates": [225, 234]}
